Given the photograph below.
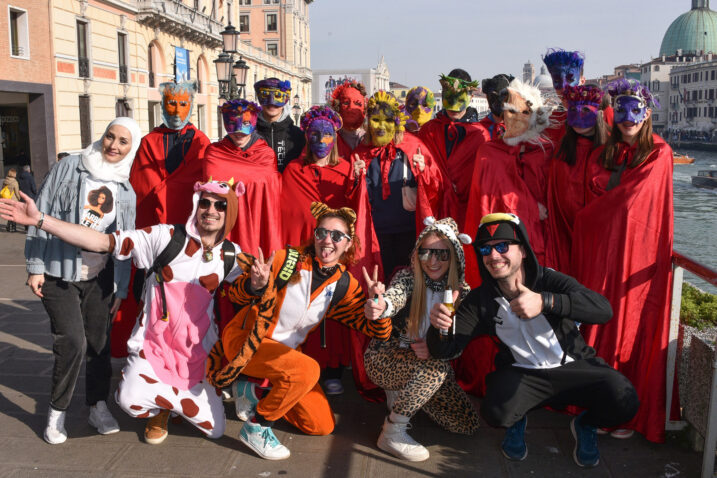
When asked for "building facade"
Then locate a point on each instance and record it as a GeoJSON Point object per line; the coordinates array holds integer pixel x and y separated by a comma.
{"type": "Point", "coordinates": [693, 97]}
{"type": "Point", "coordinates": [109, 57]}
{"type": "Point", "coordinates": [27, 104]}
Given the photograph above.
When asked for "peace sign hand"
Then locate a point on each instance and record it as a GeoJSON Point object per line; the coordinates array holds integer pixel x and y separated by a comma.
{"type": "Point", "coordinates": [260, 271]}
{"type": "Point", "coordinates": [418, 160]}
{"type": "Point", "coordinates": [359, 165]}
{"type": "Point", "coordinates": [375, 305]}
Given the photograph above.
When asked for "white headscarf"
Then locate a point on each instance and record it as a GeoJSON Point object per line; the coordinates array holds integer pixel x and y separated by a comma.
{"type": "Point", "coordinates": [95, 163]}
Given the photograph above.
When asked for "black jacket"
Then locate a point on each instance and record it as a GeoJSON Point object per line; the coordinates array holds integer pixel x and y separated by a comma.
{"type": "Point", "coordinates": [566, 302]}
{"type": "Point", "coordinates": [283, 137]}
{"type": "Point", "coordinates": [27, 183]}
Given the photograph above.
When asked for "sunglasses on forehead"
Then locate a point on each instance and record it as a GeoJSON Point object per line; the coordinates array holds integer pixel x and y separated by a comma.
{"type": "Point", "coordinates": [320, 234]}
{"type": "Point", "coordinates": [500, 248]}
{"type": "Point", "coordinates": [424, 254]}
{"type": "Point", "coordinates": [205, 203]}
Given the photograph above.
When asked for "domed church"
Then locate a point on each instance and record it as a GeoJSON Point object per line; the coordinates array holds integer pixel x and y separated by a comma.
{"type": "Point", "coordinates": [693, 32]}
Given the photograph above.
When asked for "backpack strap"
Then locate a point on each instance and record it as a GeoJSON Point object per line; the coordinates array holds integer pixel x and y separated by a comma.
{"type": "Point", "coordinates": [171, 250]}
{"type": "Point", "coordinates": [287, 268]}
{"type": "Point", "coordinates": [229, 253]}
{"type": "Point", "coordinates": [342, 286]}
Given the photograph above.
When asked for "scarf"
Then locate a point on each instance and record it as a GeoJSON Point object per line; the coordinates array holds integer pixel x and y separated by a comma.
{"type": "Point", "coordinates": [95, 163]}
{"type": "Point", "coordinates": [385, 154]}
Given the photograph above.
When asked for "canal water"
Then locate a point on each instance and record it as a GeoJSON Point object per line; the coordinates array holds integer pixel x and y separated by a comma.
{"type": "Point", "coordinates": [696, 214]}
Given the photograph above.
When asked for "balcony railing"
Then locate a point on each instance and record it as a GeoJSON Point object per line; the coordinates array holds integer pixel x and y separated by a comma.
{"type": "Point", "coordinates": [83, 67]}
{"type": "Point", "coordinates": [175, 18]}
{"type": "Point", "coordinates": [680, 263]}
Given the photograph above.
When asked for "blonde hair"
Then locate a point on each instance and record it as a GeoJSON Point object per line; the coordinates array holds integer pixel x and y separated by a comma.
{"type": "Point", "coordinates": [418, 297]}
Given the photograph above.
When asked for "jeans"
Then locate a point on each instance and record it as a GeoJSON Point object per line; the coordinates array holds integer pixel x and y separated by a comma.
{"type": "Point", "coordinates": [79, 316]}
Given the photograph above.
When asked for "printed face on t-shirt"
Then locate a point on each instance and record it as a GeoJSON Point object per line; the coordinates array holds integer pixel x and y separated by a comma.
{"type": "Point", "coordinates": [98, 211]}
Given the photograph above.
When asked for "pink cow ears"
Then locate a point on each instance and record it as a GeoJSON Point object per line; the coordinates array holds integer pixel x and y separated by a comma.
{"type": "Point", "coordinates": [220, 188]}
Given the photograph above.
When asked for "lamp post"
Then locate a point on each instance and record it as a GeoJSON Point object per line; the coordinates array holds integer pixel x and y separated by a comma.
{"type": "Point", "coordinates": [297, 109]}
{"type": "Point", "coordinates": [230, 75]}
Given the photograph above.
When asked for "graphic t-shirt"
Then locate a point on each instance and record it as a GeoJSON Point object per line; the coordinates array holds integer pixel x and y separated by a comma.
{"type": "Point", "coordinates": [99, 212]}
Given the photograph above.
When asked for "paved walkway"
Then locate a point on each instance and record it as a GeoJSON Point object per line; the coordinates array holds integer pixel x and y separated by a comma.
{"type": "Point", "coordinates": [25, 370]}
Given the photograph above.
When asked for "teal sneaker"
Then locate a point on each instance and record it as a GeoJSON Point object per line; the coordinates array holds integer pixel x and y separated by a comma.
{"type": "Point", "coordinates": [513, 446]}
{"type": "Point", "coordinates": [586, 452]}
{"type": "Point", "coordinates": [244, 399]}
{"type": "Point", "coordinates": [263, 441]}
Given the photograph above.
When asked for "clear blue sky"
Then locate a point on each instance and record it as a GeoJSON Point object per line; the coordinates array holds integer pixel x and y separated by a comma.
{"type": "Point", "coordinates": [420, 39]}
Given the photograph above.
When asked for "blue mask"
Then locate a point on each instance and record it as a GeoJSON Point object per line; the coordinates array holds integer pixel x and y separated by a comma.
{"type": "Point", "coordinates": [630, 108]}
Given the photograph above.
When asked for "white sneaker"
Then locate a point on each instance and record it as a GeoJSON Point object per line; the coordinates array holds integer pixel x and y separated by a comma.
{"type": "Point", "coordinates": [244, 399]}
{"type": "Point", "coordinates": [55, 430]}
{"type": "Point", "coordinates": [263, 441]}
{"type": "Point", "coordinates": [333, 386]}
{"type": "Point", "coordinates": [391, 396]}
{"type": "Point", "coordinates": [102, 419]}
{"type": "Point", "coordinates": [395, 440]}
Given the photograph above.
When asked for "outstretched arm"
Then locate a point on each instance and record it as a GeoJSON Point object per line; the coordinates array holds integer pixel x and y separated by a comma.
{"type": "Point", "coordinates": [26, 213]}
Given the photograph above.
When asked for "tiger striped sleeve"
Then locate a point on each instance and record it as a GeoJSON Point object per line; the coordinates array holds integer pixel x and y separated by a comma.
{"type": "Point", "coordinates": [238, 290]}
{"type": "Point", "coordinates": [349, 311]}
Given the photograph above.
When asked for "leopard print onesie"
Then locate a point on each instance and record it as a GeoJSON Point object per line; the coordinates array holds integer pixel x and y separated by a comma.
{"type": "Point", "coordinates": [428, 384]}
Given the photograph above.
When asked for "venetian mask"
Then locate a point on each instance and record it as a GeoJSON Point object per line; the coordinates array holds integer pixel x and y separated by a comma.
{"type": "Point", "coordinates": [565, 75]}
{"type": "Point", "coordinates": [516, 115]}
{"type": "Point", "coordinates": [272, 92]}
{"type": "Point", "coordinates": [321, 136]}
{"type": "Point", "coordinates": [382, 127]}
{"type": "Point", "coordinates": [176, 106]}
{"type": "Point", "coordinates": [630, 108]}
{"type": "Point", "coordinates": [565, 67]}
{"type": "Point", "coordinates": [351, 108]}
{"type": "Point", "coordinates": [456, 93]}
{"type": "Point", "coordinates": [419, 104]}
{"type": "Point", "coordinates": [240, 116]}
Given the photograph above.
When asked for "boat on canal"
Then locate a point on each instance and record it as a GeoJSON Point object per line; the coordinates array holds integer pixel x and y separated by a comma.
{"type": "Point", "coordinates": [678, 158]}
{"type": "Point", "coordinates": [705, 179]}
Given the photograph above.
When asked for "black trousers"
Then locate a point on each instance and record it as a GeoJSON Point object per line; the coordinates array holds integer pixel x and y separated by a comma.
{"type": "Point", "coordinates": [395, 250]}
{"type": "Point", "coordinates": [608, 396]}
{"type": "Point", "coordinates": [80, 321]}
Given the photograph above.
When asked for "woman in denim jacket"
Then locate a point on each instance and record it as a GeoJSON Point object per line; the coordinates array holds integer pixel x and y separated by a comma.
{"type": "Point", "coordinates": [82, 290]}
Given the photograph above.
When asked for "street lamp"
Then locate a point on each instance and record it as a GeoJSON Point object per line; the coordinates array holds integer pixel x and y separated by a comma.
{"type": "Point", "coordinates": [297, 109]}
{"type": "Point", "coordinates": [231, 76]}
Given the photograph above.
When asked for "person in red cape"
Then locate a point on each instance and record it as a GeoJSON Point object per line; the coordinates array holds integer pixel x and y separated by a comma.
{"type": "Point", "coordinates": [566, 69]}
{"type": "Point", "coordinates": [244, 156]}
{"type": "Point", "coordinates": [453, 137]}
{"type": "Point", "coordinates": [167, 164]}
{"type": "Point", "coordinates": [349, 100]}
{"type": "Point", "coordinates": [585, 131]}
{"type": "Point", "coordinates": [492, 87]}
{"type": "Point", "coordinates": [321, 175]}
{"type": "Point", "coordinates": [511, 175]}
{"type": "Point", "coordinates": [418, 107]}
{"type": "Point", "coordinates": [622, 248]}
{"type": "Point", "coordinates": [402, 181]}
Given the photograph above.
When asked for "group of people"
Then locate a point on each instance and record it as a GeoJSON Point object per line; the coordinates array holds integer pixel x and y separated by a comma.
{"type": "Point", "coordinates": [241, 249]}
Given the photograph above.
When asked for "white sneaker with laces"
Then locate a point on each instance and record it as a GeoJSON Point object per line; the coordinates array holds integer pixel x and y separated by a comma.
{"type": "Point", "coordinates": [263, 441]}
{"type": "Point", "coordinates": [395, 440]}
{"type": "Point", "coordinates": [102, 419]}
{"type": "Point", "coordinates": [55, 430]}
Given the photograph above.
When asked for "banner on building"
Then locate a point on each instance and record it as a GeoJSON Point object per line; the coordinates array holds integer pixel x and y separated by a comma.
{"type": "Point", "coordinates": [181, 64]}
{"type": "Point", "coordinates": [328, 83]}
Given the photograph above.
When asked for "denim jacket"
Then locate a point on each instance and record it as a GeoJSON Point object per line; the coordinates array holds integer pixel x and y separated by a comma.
{"type": "Point", "coordinates": [59, 197]}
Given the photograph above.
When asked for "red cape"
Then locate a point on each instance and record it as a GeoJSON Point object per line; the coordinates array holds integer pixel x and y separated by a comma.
{"type": "Point", "coordinates": [566, 197]}
{"type": "Point", "coordinates": [156, 189]}
{"type": "Point", "coordinates": [495, 129]}
{"type": "Point", "coordinates": [333, 185]}
{"type": "Point", "coordinates": [457, 169]}
{"type": "Point", "coordinates": [622, 248]}
{"type": "Point", "coordinates": [259, 210]}
{"type": "Point", "coordinates": [503, 181]}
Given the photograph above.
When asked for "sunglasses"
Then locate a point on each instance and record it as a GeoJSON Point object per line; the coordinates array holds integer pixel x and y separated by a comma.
{"type": "Point", "coordinates": [500, 248]}
{"type": "Point", "coordinates": [205, 203]}
{"type": "Point", "coordinates": [320, 234]}
{"type": "Point", "coordinates": [424, 254]}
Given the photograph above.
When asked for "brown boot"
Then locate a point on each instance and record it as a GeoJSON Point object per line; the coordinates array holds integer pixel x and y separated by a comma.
{"type": "Point", "coordinates": [156, 430]}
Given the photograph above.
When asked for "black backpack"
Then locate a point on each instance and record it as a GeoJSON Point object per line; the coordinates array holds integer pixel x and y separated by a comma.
{"type": "Point", "coordinates": [172, 250]}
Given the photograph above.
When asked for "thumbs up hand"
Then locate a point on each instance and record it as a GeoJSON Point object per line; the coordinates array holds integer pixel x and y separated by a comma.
{"type": "Point", "coordinates": [528, 304]}
{"type": "Point", "coordinates": [418, 160]}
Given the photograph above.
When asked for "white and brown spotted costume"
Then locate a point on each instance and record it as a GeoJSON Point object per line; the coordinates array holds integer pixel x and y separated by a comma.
{"type": "Point", "coordinates": [167, 358]}
{"type": "Point", "coordinates": [429, 385]}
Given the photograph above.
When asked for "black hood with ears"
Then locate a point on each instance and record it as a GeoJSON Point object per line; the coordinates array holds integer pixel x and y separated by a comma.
{"type": "Point", "coordinates": [490, 223]}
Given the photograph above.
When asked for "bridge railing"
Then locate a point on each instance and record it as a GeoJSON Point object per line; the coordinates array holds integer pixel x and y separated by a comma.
{"type": "Point", "coordinates": [680, 263]}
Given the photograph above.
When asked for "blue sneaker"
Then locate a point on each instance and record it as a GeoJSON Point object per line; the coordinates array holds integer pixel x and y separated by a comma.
{"type": "Point", "coordinates": [244, 399]}
{"type": "Point", "coordinates": [513, 446]}
{"type": "Point", "coordinates": [586, 452]}
{"type": "Point", "coordinates": [263, 441]}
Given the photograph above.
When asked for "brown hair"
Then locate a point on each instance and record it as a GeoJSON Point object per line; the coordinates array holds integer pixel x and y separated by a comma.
{"type": "Point", "coordinates": [569, 141]}
{"type": "Point", "coordinates": [644, 146]}
{"type": "Point", "coordinates": [93, 196]}
{"type": "Point", "coordinates": [11, 173]}
{"type": "Point", "coordinates": [418, 296]}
